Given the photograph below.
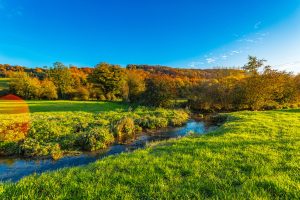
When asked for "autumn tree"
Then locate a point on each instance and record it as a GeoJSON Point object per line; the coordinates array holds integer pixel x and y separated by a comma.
{"type": "Point", "coordinates": [253, 64]}
{"type": "Point", "coordinates": [25, 86]}
{"type": "Point", "coordinates": [48, 90]}
{"type": "Point", "coordinates": [62, 79]}
{"type": "Point", "coordinates": [108, 78]}
{"type": "Point", "coordinates": [135, 84]}
{"type": "Point", "coordinates": [160, 91]}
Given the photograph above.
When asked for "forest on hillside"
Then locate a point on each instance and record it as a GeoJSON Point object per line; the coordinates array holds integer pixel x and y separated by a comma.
{"type": "Point", "coordinates": [253, 87]}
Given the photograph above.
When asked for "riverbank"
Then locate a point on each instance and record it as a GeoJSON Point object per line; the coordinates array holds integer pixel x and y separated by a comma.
{"type": "Point", "coordinates": [253, 155]}
{"type": "Point", "coordinates": [71, 127]}
{"type": "Point", "coordinates": [13, 169]}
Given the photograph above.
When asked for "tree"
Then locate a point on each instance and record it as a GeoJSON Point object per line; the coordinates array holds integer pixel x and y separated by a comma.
{"type": "Point", "coordinates": [253, 64]}
{"type": "Point", "coordinates": [62, 79]}
{"type": "Point", "coordinates": [108, 78]}
{"type": "Point", "coordinates": [48, 90]}
{"type": "Point", "coordinates": [135, 85]}
{"type": "Point", "coordinates": [160, 91]}
{"type": "Point", "coordinates": [79, 76]}
{"type": "Point", "coordinates": [82, 94]}
{"type": "Point", "coordinates": [25, 86]}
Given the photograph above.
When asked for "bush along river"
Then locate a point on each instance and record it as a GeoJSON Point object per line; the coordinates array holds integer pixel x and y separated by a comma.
{"type": "Point", "coordinates": [13, 169]}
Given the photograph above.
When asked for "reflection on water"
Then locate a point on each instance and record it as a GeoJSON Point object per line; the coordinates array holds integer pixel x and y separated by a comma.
{"type": "Point", "coordinates": [15, 169]}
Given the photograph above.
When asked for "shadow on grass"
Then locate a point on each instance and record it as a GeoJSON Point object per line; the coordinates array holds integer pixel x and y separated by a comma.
{"type": "Point", "coordinates": [289, 110]}
{"type": "Point", "coordinates": [69, 106]}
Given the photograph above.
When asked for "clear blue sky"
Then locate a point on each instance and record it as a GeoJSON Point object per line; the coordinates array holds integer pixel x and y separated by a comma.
{"type": "Point", "coordinates": [181, 33]}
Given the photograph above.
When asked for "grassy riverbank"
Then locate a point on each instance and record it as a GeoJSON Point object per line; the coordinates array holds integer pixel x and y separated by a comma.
{"type": "Point", "coordinates": [55, 128]}
{"type": "Point", "coordinates": [254, 155]}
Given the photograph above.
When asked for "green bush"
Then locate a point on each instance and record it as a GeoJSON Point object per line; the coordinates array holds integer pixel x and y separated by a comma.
{"type": "Point", "coordinates": [95, 138]}
{"type": "Point", "coordinates": [31, 148]}
{"type": "Point", "coordinates": [178, 118]}
{"type": "Point", "coordinates": [82, 94]}
{"type": "Point", "coordinates": [9, 148]}
{"type": "Point", "coordinates": [152, 122]}
{"type": "Point", "coordinates": [102, 97]}
{"type": "Point", "coordinates": [56, 152]}
{"type": "Point", "coordinates": [124, 129]}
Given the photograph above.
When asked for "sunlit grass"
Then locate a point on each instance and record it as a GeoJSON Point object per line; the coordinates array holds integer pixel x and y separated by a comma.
{"type": "Point", "coordinates": [255, 155]}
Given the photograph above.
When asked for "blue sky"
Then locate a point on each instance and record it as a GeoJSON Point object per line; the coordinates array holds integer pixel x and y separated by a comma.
{"type": "Point", "coordinates": [179, 33]}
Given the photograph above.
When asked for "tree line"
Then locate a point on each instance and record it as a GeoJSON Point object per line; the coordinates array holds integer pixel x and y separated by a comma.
{"type": "Point", "coordinates": [253, 87]}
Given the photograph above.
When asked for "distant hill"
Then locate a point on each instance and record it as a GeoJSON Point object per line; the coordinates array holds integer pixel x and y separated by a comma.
{"type": "Point", "coordinates": [190, 73]}
{"type": "Point", "coordinates": [213, 73]}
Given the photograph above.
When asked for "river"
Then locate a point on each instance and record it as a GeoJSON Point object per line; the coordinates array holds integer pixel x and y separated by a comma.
{"type": "Point", "coordinates": [13, 169]}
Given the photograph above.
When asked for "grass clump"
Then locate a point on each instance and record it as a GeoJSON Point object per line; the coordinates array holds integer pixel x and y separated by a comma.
{"type": "Point", "coordinates": [124, 129]}
{"type": "Point", "coordinates": [95, 138]}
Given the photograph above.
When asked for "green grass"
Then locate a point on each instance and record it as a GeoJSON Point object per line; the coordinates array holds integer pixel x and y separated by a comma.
{"type": "Point", "coordinates": [74, 106]}
{"type": "Point", "coordinates": [255, 155]}
{"type": "Point", "coordinates": [63, 106]}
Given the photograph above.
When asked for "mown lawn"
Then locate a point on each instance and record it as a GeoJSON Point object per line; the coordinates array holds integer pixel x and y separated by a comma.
{"type": "Point", "coordinates": [255, 155]}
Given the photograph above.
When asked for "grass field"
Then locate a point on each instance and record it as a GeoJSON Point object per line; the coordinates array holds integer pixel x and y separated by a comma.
{"type": "Point", "coordinates": [255, 155]}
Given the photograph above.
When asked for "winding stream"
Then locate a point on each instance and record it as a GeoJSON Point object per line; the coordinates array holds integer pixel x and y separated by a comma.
{"type": "Point", "coordinates": [13, 169]}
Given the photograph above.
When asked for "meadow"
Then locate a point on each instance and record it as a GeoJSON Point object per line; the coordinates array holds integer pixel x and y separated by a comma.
{"type": "Point", "coordinates": [56, 128]}
{"type": "Point", "coordinates": [254, 155]}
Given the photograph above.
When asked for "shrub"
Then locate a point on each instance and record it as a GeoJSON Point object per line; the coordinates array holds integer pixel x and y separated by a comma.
{"type": "Point", "coordinates": [9, 148]}
{"type": "Point", "coordinates": [82, 94]}
{"type": "Point", "coordinates": [31, 147]}
{"type": "Point", "coordinates": [152, 122]}
{"type": "Point", "coordinates": [178, 118]}
{"type": "Point", "coordinates": [110, 97]}
{"type": "Point", "coordinates": [95, 138]}
{"type": "Point", "coordinates": [48, 130]}
{"type": "Point", "coordinates": [102, 97]}
{"type": "Point", "coordinates": [56, 152]}
{"type": "Point", "coordinates": [124, 129]}
{"type": "Point", "coordinates": [14, 127]}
